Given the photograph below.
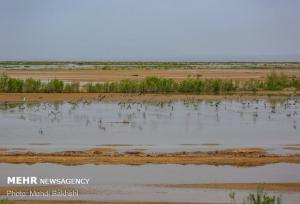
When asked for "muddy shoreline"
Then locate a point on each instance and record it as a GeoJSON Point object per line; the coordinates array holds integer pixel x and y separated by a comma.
{"type": "Point", "coordinates": [286, 187]}
{"type": "Point", "coordinates": [243, 157]}
{"type": "Point", "coordinates": [10, 98]}
{"type": "Point", "coordinates": [281, 187]}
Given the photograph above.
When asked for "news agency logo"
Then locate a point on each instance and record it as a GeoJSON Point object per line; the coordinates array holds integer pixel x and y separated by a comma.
{"type": "Point", "coordinates": [19, 180]}
{"type": "Point", "coordinates": [33, 180]}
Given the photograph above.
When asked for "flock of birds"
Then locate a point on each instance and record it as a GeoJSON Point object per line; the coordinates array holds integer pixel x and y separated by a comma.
{"type": "Point", "coordinates": [130, 111]}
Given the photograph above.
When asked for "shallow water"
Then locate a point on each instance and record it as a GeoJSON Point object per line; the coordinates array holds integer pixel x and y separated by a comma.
{"type": "Point", "coordinates": [109, 182]}
{"type": "Point", "coordinates": [155, 127]}
{"type": "Point", "coordinates": [158, 174]}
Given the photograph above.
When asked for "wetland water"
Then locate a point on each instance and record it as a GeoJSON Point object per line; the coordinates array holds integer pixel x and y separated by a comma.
{"type": "Point", "coordinates": [159, 127]}
{"type": "Point", "coordinates": [165, 127]}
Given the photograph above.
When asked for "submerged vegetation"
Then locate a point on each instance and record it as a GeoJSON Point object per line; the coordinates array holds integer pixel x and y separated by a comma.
{"type": "Point", "coordinates": [274, 81]}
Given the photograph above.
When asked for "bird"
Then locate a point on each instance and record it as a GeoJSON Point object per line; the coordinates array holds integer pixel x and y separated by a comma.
{"type": "Point", "coordinates": [51, 112]}
{"type": "Point", "coordinates": [41, 132]}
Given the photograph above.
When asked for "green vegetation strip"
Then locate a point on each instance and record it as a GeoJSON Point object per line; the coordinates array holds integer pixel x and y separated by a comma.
{"type": "Point", "coordinates": [274, 81]}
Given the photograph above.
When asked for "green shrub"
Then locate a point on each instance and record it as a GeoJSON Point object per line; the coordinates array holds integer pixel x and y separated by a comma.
{"type": "Point", "coordinates": [14, 85]}
{"type": "Point", "coordinates": [277, 81]}
{"type": "Point", "coordinates": [252, 85]}
{"type": "Point", "coordinates": [261, 197]}
{"type": "Point", "coordinates": [167, 85]}
{"type": "Point", "coordinates": [274, 81]}
{"type": "Point", "coordinates": [193, 85]}
{"type": "Point", "coordinates": [213, 85]}
{"type": "Point", "coordinates": [149, 85]}
{"type": "Point", "coordinates": [3, 83]}
{"type": "Point", "coordinates": [89, 88]}
{"type": "Point", "coordinates": [229, 86]}
{"type": "Point", "coordinates": [232, 197]}
{"type": "Point", "coordinates": [152, 84]}
{"type": "Point", "coordinates": [54, 86]}
{"type": "Point", "coordinates": [128, 86]}
{"type": "Point", "coordinates": [71, 87]}
{"type": "Point", "coordinates": [295, 83]}
{"type": "Point", "coordinates": [32, 86]}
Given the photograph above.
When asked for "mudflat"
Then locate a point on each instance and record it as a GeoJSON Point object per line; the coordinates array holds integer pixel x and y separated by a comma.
{"type": "Point", "coordinates": [238, 186]}
{"type": "Point", "coordinates": [100, 75]}
{"type": "Point", "coordinates": [244, 157]}
{"type": "Point", "coordinates": [131, 98]}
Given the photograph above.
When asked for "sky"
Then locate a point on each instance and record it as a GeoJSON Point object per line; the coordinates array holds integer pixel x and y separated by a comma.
{"type": "Point", "coordinates": [149, 30]}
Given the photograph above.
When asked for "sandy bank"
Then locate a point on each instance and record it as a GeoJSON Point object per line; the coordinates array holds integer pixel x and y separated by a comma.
{"type": "Point", "coordinates": [294, 187]}
{"type": "Point", "coordinates": [245, 157]}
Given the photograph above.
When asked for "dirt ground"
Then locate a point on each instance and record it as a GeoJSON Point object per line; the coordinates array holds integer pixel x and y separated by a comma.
{"type": "Point", "coordinates": [147, 98]}
{"type": "Point", "coordinates": [94, 75]}
{"type": "Point", "coordinates": [243, 157]}
{"type": "Point", "coordinates": [238, 186]}
{"type": "Point", "coordinates": [293, 187]}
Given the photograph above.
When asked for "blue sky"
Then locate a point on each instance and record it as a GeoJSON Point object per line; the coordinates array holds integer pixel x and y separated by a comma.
{"type": "Point", "coordinates": [150, 30]}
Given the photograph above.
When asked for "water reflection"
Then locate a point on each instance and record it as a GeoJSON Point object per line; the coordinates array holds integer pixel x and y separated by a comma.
{"type": "Point", "coordinates": [85, 123]}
